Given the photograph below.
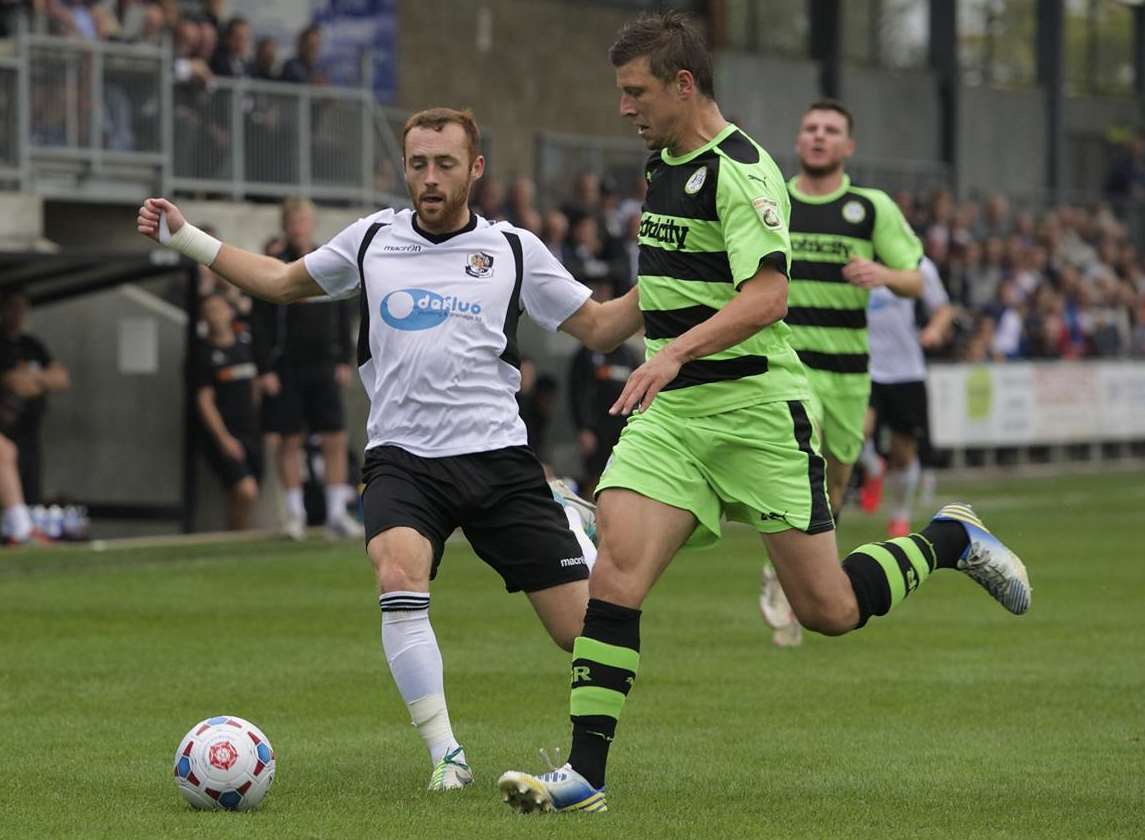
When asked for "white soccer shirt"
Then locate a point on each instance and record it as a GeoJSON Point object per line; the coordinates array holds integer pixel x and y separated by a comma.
{"type": "Point", "coordinates": [440, 316]}
{"type": "Point", "coordinates": [896, 355]}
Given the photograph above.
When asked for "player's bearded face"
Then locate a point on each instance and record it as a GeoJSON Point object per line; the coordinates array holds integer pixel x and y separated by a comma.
{"type": "Point", "coordinates": [439, 175]}
{"type": "Point", "coordinates": [823, 143]}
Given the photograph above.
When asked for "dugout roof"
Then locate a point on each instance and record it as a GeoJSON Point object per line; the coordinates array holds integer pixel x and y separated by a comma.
{"type": "Point", "coordinates": [47, 277]}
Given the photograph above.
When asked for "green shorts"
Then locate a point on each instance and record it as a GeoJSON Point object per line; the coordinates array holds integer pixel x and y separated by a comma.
{"type": "Point", "coordinates": [759, 465]}
{"type": "Point", "coordinates": [839, 413]}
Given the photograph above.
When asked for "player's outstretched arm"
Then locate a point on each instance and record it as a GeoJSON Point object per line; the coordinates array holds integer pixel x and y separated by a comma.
{"type": "Point", "coordinates": [605, 326]}
{"type": "Point", "coordinates": [256, 274]}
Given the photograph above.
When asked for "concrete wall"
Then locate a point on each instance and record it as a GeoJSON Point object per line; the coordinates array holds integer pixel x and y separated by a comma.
{"type": "Point", "coordinates": [1001, 141]}
{"type": "Point", "coordinates": [766, 96]}
{"type": "Point", "coordinates": [521, 65]}
{"type": "Point", "coordinates": [21, 221]}
{"type": "Point", "coordinates": [114, 436]}
{"type": "Point", "coordinates": [896, 114]}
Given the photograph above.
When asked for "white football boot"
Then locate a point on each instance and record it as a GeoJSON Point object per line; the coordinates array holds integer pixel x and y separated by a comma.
{"type": "Point", "coordinates": [776, 611]}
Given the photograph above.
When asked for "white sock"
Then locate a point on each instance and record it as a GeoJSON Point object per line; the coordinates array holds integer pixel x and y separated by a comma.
{"type": "Point", "coordinates": [415, 662]}
{"type": "Point", "coordinates": [903, 484]}
{"type": "Point", "coordinates": [17, 523]}
{"type": "Point", "coordinates": [870, 459]}
{"type": "Point", "coordinates": [576, 525]}
{"type": "Point", "coordinates": [336, 496]}
{"type": "Point", "coordinates": [927, 486]}
{"type": "Point", "coordinates": [295, 506]}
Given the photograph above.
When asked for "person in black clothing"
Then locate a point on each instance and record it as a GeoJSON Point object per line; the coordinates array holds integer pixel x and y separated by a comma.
{"type": "Point", "coordinates": [27, 354]}
{"type": "Point", "coordinates": [303, 353]}
{"type": "Point", "coordinates": [224, 375]}
{"type": "Point", "coordinates": [303, 68]}
{"type": "Point", "coordinates": [230, 58]}
{"type": "Point", "coordinates": [595, 382]}
{"type": "Point", "coordinates": [265, 64]}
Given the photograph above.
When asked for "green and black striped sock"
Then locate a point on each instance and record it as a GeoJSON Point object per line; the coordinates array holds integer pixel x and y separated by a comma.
{"type": "Point", "coordinates": [884, 573]}
{"type": "Point", "coordinates": [605, 659]}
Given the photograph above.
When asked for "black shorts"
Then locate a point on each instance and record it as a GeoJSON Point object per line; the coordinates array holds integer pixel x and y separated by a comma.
{"type": "Point", "coordinates": [901, 407]}
{"type": "Point", "coordinates": [310, 401]}
{"type": "Point", "coordinates": [230, 471]}
{"type": "Point", "coordinates": [499, 499]}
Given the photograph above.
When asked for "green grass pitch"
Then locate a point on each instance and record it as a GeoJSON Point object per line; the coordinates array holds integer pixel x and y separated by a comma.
{"type": "Point", "coordinates": [948, 719]}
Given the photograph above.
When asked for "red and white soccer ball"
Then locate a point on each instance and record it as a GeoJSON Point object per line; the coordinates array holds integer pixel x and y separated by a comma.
{"type": "Point", "coordinates": [224, 763]}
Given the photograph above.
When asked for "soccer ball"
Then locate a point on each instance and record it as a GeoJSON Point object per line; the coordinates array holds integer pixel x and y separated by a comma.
{"type": "Point", "coordinates": [224, 762]}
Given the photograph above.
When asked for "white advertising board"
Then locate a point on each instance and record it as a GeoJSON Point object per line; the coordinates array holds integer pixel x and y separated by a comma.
{"type": "Point", "coordinates": [1032, 403]}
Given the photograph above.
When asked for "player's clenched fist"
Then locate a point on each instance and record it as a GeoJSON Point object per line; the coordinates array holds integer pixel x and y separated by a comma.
{"type": "Point", "coordinates": [161, 220]}
{"type": "Point", "coordinates": [151, 216]}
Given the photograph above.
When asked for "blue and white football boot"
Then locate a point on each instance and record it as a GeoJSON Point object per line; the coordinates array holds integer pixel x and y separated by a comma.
{"type": "Point", "coordinates": [988, 562]}
{"type": "Point", "coordinates": [563, 789]}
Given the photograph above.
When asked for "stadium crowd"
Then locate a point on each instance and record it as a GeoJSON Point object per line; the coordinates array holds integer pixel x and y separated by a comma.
{"type": "Point", "coordinates": [1064, 283]}
{"type": "Point", "coordinates": [206, 42]}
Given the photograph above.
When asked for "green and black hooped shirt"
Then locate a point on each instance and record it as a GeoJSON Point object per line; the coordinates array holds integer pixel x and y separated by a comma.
{"type": "Point", "coordinates": [711, 218]}
{"type": "Point", "coordinates": [826, 314]}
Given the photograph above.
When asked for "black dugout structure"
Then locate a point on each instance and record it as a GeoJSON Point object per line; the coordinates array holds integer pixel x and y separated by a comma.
{"type": "Point", "coordinates": [47, 278]}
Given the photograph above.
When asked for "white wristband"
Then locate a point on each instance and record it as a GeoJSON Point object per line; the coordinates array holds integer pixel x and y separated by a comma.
{"type": "Point", "coordinates": [189, 241]}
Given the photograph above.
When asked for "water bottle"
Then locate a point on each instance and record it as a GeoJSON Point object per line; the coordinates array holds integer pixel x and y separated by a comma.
{"type": "Point", "coordinates": [55, 522]}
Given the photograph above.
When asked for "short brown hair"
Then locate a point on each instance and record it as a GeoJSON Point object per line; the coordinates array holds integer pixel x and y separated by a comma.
{"type": "Point", "coordinates": [439, 118]}
{"type": "Point", "coordinates": [296, 204]}
{"type": "Point", "coordinates": [833, 105]}
{"type": "Point", "coordinates": [672, 41]}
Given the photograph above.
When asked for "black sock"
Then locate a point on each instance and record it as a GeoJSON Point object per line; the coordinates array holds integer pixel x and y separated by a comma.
{"type": "Point", "coordinates": [949, 540]}
{"type": "Point", "coordinates": [605, 658]}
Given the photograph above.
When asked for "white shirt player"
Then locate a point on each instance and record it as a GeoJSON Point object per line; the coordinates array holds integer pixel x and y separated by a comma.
{"type": "Point", "coordinates": [441, 314]}
{"type": "Point", "coordinates": [896, 355]}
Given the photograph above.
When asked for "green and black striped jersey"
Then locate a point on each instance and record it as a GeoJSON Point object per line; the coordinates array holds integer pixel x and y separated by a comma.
{"type": "Point", "coordinates": [711, 218]}
{"type": "Point", "coordinates": [826, 314]}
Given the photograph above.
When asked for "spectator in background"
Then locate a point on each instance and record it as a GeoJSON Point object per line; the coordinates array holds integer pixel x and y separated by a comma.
{"type": "Point", "coordinates": [304, 68]}
{"type": "Point", "coordinates": [488, 199]}
{"type": "Point", "coordinates": [213, 11]}
{"type": "Point", "coordinates": [586, 199]}
{"type": "Point", "coordinates": [43, 375]}
{"type": "Point", "coordinates": [1125, 181]}
{"type": "Point", "coordinates": [189, 66]}
{"type": "Point", "coordinates": [595, 382]}
{"type": "Point", "coordinates": [303, 352]}
{"type": "Point", "coordinates": [223, 375]}
{"type": "Point", "coordinates": [554, 233]}
{"type": "Point", "coordinates": [585, 259]}
{"type": "Point", "coordinates": [1007, 342]}
{"type": "Point", "coordinates": [522, 201]}
{"type": "Point", "coordinates": [265, 64]}
{"type": "Point", "coordinates": [537, 403]}
{"type": "Point", "coordinates": [231, 57]}
{"type": "Point", "coordinates": [995, 219]}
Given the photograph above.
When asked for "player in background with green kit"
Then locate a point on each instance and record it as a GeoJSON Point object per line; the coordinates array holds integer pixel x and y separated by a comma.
{"type": "Point", "coordinates": [845, 241]}
{"type": "Point", "coordinates": [720, 424]}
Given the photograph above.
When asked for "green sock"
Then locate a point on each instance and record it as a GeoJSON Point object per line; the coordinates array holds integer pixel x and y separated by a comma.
{"type": "Point", "coordinates": [884, 573]}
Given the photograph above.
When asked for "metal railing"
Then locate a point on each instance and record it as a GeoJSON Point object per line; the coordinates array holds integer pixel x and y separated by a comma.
{"type": "Point", "coordinates": [102, 120]}
{"type": "Point", "coordinates": [11, 134]}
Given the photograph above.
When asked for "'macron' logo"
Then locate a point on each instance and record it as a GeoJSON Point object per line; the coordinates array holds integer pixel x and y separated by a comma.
{"type": "Point", "coordinates": [223, 755]}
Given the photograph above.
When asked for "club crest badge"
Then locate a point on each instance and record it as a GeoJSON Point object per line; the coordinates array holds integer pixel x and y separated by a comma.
{"type": "Point", "coordinates": [768, 212]}
{"type": "Point", "coordinates": [696, 182]}
{"type": "Point", "coordinates": [479, 265]}
{"type": "Point", "coordinates": [223, 755]}
{"type": "Point", "coordinates": [854, 212]}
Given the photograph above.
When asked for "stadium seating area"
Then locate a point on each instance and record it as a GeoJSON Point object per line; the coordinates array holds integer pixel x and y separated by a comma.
{"type": "Point", "coordinates": [206, 44]}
